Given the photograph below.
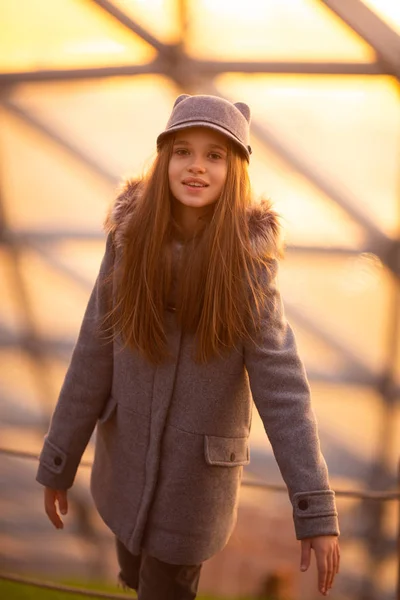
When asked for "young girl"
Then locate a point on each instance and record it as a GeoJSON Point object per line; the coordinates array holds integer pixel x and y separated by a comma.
{"type": "Point", "coordinates": [183, 329]}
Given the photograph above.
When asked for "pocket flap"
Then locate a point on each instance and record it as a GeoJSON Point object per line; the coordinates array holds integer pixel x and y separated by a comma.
{"type": "Point", "coordinates": [226, 452]}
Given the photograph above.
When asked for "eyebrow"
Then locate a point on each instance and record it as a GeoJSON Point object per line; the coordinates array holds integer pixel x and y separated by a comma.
{"type": "Point", "coordinates": [211, 146]}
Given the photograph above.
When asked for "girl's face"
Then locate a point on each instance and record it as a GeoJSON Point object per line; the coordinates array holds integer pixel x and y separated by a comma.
{"type": "Point", "coordinates": [198, 166]}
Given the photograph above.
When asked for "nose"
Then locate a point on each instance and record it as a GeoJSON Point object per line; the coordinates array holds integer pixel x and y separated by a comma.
{"type": "Point", "coordinates": [196, 165]}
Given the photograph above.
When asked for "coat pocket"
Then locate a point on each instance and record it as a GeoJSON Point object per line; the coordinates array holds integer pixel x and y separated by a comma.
{"type": "Point", "coordinates": [108, 410]}
{"type": "Point", "coordinates": [226, 452]}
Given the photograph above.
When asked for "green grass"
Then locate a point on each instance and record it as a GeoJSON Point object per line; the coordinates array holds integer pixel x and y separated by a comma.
{"type": "Point", "coordinates": [18, 591]}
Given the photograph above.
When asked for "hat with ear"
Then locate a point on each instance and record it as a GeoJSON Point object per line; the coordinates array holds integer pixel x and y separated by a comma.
{"type": "Point", "coordinates": [233, 120]}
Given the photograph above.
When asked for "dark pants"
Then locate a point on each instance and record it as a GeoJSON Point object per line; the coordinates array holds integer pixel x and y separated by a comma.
{"type": "Point", "coordinates": [157, 580]}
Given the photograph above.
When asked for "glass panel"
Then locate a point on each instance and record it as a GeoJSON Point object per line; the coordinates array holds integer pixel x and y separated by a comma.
{"type": "Point", "coordinates": [10, 313]}
{"type": "Point", "coordinates": [82, 258]}
{"type": "Point", "coordinates": [53, 297]}
{"type": "Point", "coordinates": [21, 401]}
{"type": "Point", "coordinates": [226, 30]}
{"type": "Point", "coordinates": [397, 361]}
{"type": "Point", "coordinates": [341, 294]}
{"type": "Point", "coordinates": [115, 122]}
{"type": "Point", "coordinates": [37, 34]}
{"type": "Point", "coordinates": [308, 216]}
{"type": "Point", "coordinates": [316, 353]}
{"type": "Point", "coordinates": [23, 439]}
{"type": "Point", "coordinates": [347, 129]}
{"type": "Point", "coordinates": [56, 190]}
{"type": "Point", "coordinates": [350, 450]}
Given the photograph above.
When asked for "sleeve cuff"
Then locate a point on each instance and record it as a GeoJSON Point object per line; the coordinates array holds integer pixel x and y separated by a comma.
{"type": "Point", "coordinates": [56, 469]}
{"type": "Point", "coordinates": [315, 514]}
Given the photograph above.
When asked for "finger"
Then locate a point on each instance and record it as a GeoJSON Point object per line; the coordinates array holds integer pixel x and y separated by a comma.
{"type": "Point", "coordinates": [335, 562]}
{"type": "Point", "coordinates": [305, 558]}
{"type": "Point", "coordinates": [331, 569]}
{"type": "Point", "coordinates": [53, 516]}
{"type": "Point", "coordinates": [322, 567]}
{"type": "Point", "coordinates": [50, 508]}
{"type": "Point", "coordinates": [337, 558]}
{"type": "Point", "coordinates": [62, 501]}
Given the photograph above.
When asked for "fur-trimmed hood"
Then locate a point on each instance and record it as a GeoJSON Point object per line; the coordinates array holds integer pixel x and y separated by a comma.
{"type": "Point", "coordinates": [263, 221]}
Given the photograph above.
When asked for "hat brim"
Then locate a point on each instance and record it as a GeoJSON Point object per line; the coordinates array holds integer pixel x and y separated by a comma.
{"type": "Point", "coordinates": [245, 149]}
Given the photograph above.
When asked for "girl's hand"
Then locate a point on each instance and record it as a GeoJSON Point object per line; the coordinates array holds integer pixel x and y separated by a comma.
{"type": "Point", "coordinates": [50, 498]}
{"type": "Point", "coordinates": [327, 555]}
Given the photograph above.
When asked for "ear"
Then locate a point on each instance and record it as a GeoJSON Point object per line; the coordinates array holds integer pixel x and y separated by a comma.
{"type": "Point", "coordinates": [244, 109]}
{"type": "Point", "coordinates": [180, 98]}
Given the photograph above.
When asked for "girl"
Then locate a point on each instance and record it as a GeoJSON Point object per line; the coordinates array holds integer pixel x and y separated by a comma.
{"type": "Point", "coordinates": [183, 329]}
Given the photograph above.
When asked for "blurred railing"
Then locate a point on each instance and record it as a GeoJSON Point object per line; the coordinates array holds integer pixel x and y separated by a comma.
{"type": "Point", "coordinates": [66, 589]}
{"type": "Point", "coordinates": [380, 496]}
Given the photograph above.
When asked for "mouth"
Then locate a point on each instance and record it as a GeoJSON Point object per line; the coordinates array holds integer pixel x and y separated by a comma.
{"type": "Point", "coordinates": [194, 182]}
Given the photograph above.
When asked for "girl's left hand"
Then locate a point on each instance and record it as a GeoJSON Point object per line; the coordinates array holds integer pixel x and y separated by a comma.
{"type": "Point", "coordinates": [327, 556]}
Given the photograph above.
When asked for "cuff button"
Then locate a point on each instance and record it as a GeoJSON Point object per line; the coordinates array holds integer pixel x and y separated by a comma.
{"type": "Point", "coordinates": [232, 456]}
{"type": "Point", "coordinates": [57, 461]}
{"type": "Point", "coordinates": [303, 504]}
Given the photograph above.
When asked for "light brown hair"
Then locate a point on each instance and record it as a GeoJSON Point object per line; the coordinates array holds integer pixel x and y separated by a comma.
{"type": "Point", "coordinates": [220, 293]}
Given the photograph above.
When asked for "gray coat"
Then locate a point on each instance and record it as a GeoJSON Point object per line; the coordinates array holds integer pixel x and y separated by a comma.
{"type": "Point", "coordinates": [172, 440]}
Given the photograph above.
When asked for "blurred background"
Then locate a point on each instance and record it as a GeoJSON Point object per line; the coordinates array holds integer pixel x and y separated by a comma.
{"type": "Point", "coordinates": [85, 88]}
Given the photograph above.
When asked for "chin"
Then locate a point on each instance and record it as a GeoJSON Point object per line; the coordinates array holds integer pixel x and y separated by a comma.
{"type": "Point", "coordinates": [195, 202]}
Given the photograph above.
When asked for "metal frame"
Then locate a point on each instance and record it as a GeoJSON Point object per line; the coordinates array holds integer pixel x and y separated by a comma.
{"type": "Point", "coordinates": [372, 30]}
{"type": "Point", "coordinates": [190, 74]}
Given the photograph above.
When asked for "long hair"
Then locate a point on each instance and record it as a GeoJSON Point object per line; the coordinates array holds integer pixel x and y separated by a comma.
{"type": "Point", "coordinates": [220, 293]}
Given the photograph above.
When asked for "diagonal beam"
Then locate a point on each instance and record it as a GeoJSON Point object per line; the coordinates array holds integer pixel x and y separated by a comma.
{"type": "Point", "coordinates": [372, 29]}
{"type": "Point", "coordinates": [385, 248]}
{"type": "Point", "coordinates": [130, 24]}
{"type": "Point", "coordinates": [358, 368]}
{"type": "Point", "coordinates": [380, 244]}
{"type": "Point", "coordinates": [319, 180]}
{"type": "Point", "coordinates": [59, 266]}
{"type": "Point", "coordinates": [51, 133]}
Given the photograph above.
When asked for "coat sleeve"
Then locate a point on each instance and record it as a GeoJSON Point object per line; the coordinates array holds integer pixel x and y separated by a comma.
{"type": "Point", "coordinates": [281, 394]}
{"type": "Point", "coordinates": [85, 391]}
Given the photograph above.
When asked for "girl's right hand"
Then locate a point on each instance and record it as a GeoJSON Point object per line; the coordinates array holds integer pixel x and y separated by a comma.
{"type": "Point", "coordinates": [50, 498]}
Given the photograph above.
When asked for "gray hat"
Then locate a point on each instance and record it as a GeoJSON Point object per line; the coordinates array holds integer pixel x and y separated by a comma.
{"type": "Point", "coordinates": [232, 120]}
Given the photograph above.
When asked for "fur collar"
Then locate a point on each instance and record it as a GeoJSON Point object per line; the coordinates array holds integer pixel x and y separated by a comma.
{"type": "Point", "coordinates": [263, 221]}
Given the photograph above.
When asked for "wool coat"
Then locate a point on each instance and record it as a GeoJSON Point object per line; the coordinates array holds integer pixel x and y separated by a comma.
{"type": "Point", "coordinates": [172, 439]}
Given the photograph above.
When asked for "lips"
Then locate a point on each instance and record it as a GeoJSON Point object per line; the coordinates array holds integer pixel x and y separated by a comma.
{"type": "Point", "coordinates": [195, 182]}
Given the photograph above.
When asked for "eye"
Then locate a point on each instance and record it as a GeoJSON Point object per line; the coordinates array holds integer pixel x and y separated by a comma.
{"type": "Point", "coordinates": [215, 155]}
{"type": "Point", "coordinates": [181, 151]}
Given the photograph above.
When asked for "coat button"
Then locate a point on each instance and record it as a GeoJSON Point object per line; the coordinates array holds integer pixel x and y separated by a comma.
{"type": "Point", "coordinates": [303, 504]}
{"type": "Point", "coordinates": [233, 456]}
{"type": "Point", "coordinates": [57, 461]}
